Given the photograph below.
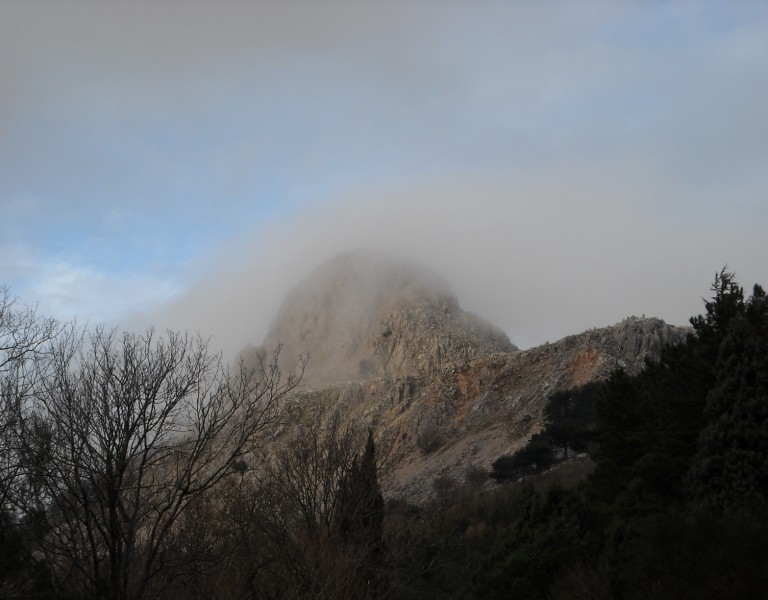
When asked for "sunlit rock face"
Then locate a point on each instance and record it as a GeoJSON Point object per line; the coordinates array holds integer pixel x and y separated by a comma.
{"type": "Point", "coordinates": [362, 316]}
{"type": "Point", "coordinates": [446, 393]}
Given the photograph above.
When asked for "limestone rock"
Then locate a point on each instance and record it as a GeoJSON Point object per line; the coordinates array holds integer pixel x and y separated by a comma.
{"type": "Point", "coordinates": [363, 316]}
{"type": "Point", "coordinates": [447, 393]}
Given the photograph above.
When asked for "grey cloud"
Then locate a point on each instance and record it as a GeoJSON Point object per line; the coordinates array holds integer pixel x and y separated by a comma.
{"type": "Point", "coordinates": [446, 132]}
{"type": "Point", "coordinates": [542, 255]}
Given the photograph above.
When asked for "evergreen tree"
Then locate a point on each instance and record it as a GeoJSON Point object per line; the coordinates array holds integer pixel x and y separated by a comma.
{"type": "Point", "coordinates": [727, 303]}
{"type": "Point", "coordinates": [731, 467]}
{"type": "Point", "coordinates": [571, 417]}
{"type": "Point", "coordinates": [537, 455]}
{"type": "Point", "coordinates": [649, 425]}
{"type": "Point", "coordinates": [361, 516]}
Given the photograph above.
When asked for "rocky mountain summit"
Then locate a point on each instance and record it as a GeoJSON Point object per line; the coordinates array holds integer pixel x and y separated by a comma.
{"type": "Point", "coordinates": [446, 392]}
{"type": "Point", "coordinates": [363, 316]}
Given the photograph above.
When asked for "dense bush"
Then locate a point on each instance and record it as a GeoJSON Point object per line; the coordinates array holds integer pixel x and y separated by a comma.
{"type": "Point", "coordinates": [537, 455]}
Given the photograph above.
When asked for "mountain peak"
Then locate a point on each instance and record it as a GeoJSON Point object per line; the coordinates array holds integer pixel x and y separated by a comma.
{"type": "Point", "coordinates": [364, 315]}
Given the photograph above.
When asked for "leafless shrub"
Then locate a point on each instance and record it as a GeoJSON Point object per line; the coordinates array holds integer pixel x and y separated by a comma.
{"type": "Point", "coordinates": [430, 438]}
{"type": "Point", "coordinates": [130, 432]}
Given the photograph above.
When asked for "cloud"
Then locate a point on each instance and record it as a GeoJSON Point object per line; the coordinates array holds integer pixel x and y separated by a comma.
{"type": "Point", "coordinates": [561, 167]}
{"type": "Point", "coordinates": [542, 254]}
{"type": "Point", "coordinates": [69, 291]}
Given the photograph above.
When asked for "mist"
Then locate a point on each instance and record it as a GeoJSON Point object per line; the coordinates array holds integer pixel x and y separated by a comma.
{"type": "Point", "coordinates": [184, 166]}
{"type": "Point", "coordinates": [542, 254]}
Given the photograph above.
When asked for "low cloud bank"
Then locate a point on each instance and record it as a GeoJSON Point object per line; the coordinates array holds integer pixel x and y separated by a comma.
{"type": "Point", "coordinates": [542, 255]}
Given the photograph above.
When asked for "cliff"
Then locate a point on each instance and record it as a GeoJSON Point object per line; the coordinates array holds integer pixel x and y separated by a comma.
{"type": "Point", "coordinates": [362, 316]}
{"type": "Point", "coordinates": [447, 393]}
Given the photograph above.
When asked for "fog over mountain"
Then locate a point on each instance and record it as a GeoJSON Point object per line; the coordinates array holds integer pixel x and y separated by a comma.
{"type": "Point", "coordinates": [540, 259]}
{"type": "Point", "coordinates": [561, 168]}
{"type": "Point", "coordinates": [363, 315]}
{"type": "Point", "coordinates": [386, 345]}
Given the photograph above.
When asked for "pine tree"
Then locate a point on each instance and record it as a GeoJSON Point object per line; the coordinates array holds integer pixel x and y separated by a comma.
{"type": "Point", "coordinates": [726, 304]}
{"type": "Point", "coordinates": [361, 517]}
{"type": "Point", "coordinates": [650, 425]}
{"type": "Point", "coordinates": [570, 417]}
{"type": "Point", "coordinates": [731, 467]}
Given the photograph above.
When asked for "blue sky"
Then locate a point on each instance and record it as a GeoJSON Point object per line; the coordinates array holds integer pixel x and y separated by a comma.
{"type": "Point", "coordinates": [563, 164]}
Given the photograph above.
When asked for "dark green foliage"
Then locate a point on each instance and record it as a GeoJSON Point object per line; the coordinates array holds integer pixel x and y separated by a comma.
{"type": "Point", "coordinates": [571, 416]}
{"type": "Point", "coordinates": [505, 467]}
{"type": "Point", "coordinates": [430, 438]}
{"type": "Point", "coordinates": [702, 408]}
{"type": "Point", "coordinates": [21, 575]}
{"type": "Point", "coordinates": [731, 467]}
{"type": "Point", "coordinates": [677, 500]}
{"type": "Point", "coordinates": [691, 556]}
{"type": "Point", "coordinates": [361, 513]}
{"type": "Point", "coordinates": [551, 532]}
{"type": "Point", "coordinates": [648, 428]}
{"type": "Point", "coordinates": [675, 507]}
{"type": "Point", "coordinates": [535, 456]}
{"type": "Point", "coordinates": [507, 544]}
{"type": "Point", "coordinates": [649, 425]}
{"type": "Point", "coordinates": [690, 431]}
{"type": "Point", "coordinates": [722, 308]}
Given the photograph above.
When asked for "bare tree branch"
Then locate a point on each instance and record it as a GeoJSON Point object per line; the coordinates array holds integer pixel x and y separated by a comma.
{"type": "Point", "coordinates": [139, 427]}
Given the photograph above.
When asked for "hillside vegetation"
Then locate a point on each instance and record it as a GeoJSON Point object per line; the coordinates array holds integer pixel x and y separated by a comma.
{"type": "Point", "coordinates": [676, 505]}
{"type": "Point", "coordinates": [390, 348]}
{"type": "Point", "coordinates": [140, 468]}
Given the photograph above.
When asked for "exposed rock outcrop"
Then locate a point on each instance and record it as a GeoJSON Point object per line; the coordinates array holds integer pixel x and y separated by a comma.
{"type": "Point", "coordinates": [447, 393]}
{"type": "Point", "coordinates": [362, 316]}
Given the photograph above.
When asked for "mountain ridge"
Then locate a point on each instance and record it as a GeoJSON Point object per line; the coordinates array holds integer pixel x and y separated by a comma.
{"type": "Point", "coordinates": [363, 315]}
{"type": "Point", "coordinates": [445, 391]}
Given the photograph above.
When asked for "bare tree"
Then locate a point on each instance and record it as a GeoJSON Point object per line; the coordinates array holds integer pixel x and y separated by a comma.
{"type": "Point", "coordinates": [321, 513]}
{"type": "Point", "coordinates": [220, 548]}
{"type": "Point", "coordinates": [23, 332]}
{"type": "Point", "coordinates": [25, 336]}
{"type": "Point", "coordinates": [134, 428]}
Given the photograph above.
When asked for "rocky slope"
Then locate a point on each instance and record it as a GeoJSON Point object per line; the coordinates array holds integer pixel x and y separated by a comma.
{"type": "Point", "coordinates": [447, 393]}
{"type": "Point", "coordinates": [363, 316]}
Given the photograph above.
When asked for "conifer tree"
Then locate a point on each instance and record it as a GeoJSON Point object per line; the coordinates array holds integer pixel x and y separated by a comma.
{"type": "Point", "coordinates": [650, 424]}
{"type": "Point", "coordinates": [361, 515]}
{"type": "Point", "coordinates": [731, 467]}
{"type": "Point", "coordinates": [570, 416]}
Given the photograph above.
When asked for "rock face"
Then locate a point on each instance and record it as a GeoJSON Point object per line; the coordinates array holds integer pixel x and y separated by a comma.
{"type": "Point", "coordinates": [447, 393]}
{"type": "Point", "coordinates": [363, 316]}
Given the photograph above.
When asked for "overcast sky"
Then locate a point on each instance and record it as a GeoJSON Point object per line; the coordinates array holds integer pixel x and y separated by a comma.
{"type": "Point", "coordinates": [563, 165]}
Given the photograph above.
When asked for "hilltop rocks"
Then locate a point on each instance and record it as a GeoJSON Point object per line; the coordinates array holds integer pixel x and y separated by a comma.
{"type": "Point", "coordinates": [446, 392]}
{"type": "Point", "coordinates": [492, 405]}
{"type": "Point", "coordinates": [640, 339]}
{"type": "Point", "coordinates": [362, 316]}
